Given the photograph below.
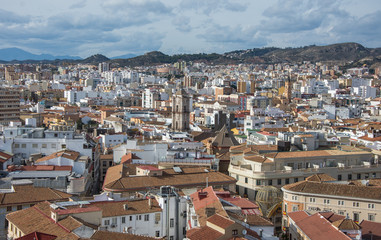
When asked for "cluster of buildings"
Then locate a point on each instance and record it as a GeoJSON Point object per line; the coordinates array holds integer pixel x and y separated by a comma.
{"type": "Point", "coordinates": [190, 151]}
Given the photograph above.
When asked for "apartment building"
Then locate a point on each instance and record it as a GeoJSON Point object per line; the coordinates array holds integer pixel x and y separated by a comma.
{"type": "Point", "coordinates": [359, 200]}
{"type": "Point", "coordinates": [9, 105]}
{"type": "Point", "coordinates": [253, 170]}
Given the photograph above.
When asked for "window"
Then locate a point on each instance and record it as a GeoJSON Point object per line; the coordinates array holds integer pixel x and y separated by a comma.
{"type": "Point", "coordinates": [287, 181]}
{"type": "Point", "coordinates": [237, 177]}
{"type": "Point", "coordinates": [296, 179]}
{"type": "Point", "coordinates": [341, 213]}
{"type": "Point", "coordinates": [19, 207]}
{"type": "Point", "coordinates": [34, 145]}
{"type": "Point", "coordinates": [356, 217]}
{"type": "Point", "coordinates": [294, 198]}
{"type": "Point", "coordinates": [371, 217]}
{"type": "Point", "coordinates": [270, 182]}
{"type": "Point", "coordinates": [9, 208]}
{"type": "Point", "coordinates": [123, 219]}
{"type": "Point", "coordinates": [114, 221]}
{"type": "Point", "coordinates": [279, 181]}
{"type": "Point", "coordinates": [312, 200]}
{"type": "Point", "coordinates": [295, 208]}
{"type": "Point", "coordinates": [157, 234]}
{"type": "Point", "coordinates": [349, 176]}
{"type": "Point", "coordinates": [258, 182]}
{"type": "Point", "coordinates": [138, 217]}
{"type": "Point", "coordinates": [17, 145]}
{"type": "Point", "coordinates": [171, 223]}
{"type": "Point", "coordinates": [54, 145]}
{"type": "Point", "coordinates": [171, 238]}
{"type": "Point", "coordinates": [107, 222]}
{"type": "Point", "coordinates": [43, 145]}
{"type": "Point", "coordinates": [235, 232]}
{"type": "Point", "coordinates": [157, 218]}
{"type": "Point", "coordinates": [371, 205]}
{"type": "Point", "coordinates": [356, 204]}
{"type": "Point", "coordinates": [246, 180]}
{"type": "Point", "coordinates": [63, 146]}
{"type": "Point", "coordinates": [358, 175]}
{"type": "Point", "coordinates": [130, 218]}
{"type": "Point", "coordinates": [326, 201]}
{"type": "Point", "coordinates": [340, 203]}
{"type": "Point", "coordinates": [23, 145]}
{"type": "Point", "coordinates": [146, 217]}
{"type": "Point", "coordinates": [339, 177]}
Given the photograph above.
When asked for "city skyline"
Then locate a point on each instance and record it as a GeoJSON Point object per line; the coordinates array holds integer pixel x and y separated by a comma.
{"type": "Point", "coordinates": [113, 28]}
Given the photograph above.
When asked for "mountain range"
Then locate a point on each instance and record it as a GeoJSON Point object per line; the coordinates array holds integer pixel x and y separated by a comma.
{"type": "Point", "coordinates": [350, 54]}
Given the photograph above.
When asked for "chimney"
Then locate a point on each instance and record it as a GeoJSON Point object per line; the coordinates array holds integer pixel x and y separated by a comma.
{"type": "Point", "coordinates": [150, 203]}
{"type": "Point", "coordinates": [210, 211]}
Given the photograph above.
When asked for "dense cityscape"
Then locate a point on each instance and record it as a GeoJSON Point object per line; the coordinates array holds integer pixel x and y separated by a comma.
{"type": "Point", "coordinates": [190, 150]}
{"type": "Point", "coordinates": [190, 120]}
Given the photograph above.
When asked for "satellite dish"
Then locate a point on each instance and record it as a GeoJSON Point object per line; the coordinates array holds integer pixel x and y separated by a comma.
{"type": "Point", "coordinates": [244, 231]}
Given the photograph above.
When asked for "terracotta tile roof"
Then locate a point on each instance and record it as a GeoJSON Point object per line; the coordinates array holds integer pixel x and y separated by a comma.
{"type": "Point", "coordinates": [116, 208]}
{"type": "Point", "coordinates": [253, 219]}
{"type": "Point", "coordinates": [242, 203]}
{"type": "Point", "coordinates": [320, 177]}
{"type": "Point", "coordinates": [316, 226]}
{"type": "Point", "coordinates": [316, 153]}
{"type": "Point", "coordinates": [30, 194]}
{"type": "Point", "coordinates": [33, 219]}
{"type": "Point", "coordinates": [334, 189]}
{"type": "Point", "coordinates": [371, 230]}
{"type": "Point", "coordinates": [332, 217]}
{"type": "Point", "coordinates": [37, 236]}
{"type": "Point", "coordinates": [221, 221]}
{"type": "Point", "coordinates": [346, 224]}
{"type": "Point", "coordinates": [107, 156]}
{"type": "Point", "coordinates": [297, 216]}
{"type": "Point", "coordinates": [116, 179]}
{"type": "Point", "coordinates": [102, 235]}
{"type": "Point", "coordinates": [72, 155]}
{"type": "Point", "coordinates": [203, 233]}
{"type": "Point", "coordinates": [5, 156]}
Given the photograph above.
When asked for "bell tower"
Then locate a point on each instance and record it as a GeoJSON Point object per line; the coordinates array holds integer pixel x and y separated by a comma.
{"type": "Point", "coordinates": [180, 111]}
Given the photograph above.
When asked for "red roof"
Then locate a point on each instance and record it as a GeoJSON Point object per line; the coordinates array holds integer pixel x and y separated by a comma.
{"type": "Point", "coordinates": [148, 167]}
{"type": "Point", "coordinates": [241, 202]}
{"type": "Point", "coordinates": [77, 210]}
{"type": "Point", "coordinates": [316, 226]}
{"type": "Point", "coordinates": [207, 197]}
{"type": "Point", "coordinates": [37, 236]}
{"type": "Point", "coordinates": [4, 156]}
{"type": "Point", "coordinates": [40, 168]}
{"type": "Point", "coordinates": [297, 216]}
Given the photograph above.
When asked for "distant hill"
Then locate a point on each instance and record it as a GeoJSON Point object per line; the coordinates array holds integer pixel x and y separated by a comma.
{"type": "Point", "coordinates": [156, 57]}
{"type": "Point", "coordinates": [344, 54]}
{"type": "Point", "coordinates": [10, 54]}
{"type": "Point", "coordinates": [125, 56]}
{"type": "Point", "coordinates": [97, 58]}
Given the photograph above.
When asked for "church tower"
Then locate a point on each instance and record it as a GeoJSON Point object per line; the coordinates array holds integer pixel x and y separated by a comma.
{"type": "Point", "coordinates": [287, 90]}
{"type": "Point", "coordinates": [180, 111]}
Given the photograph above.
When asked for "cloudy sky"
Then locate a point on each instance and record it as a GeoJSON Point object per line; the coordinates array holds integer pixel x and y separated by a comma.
{"type": "Point", "coordinates": [116, 27]}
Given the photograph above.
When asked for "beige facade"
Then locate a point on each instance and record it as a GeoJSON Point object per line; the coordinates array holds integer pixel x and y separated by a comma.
{"type": "Point", "coordinates": [354, 201]}
{"type": "Point", "coordinates": [253, 171]}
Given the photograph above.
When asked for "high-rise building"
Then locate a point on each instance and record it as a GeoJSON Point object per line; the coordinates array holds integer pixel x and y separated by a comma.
{"type": "Point", "coordinates": [241, 88]}
{"type": "Point", "coordinates": [104, 67]}
{"type": "Point", "coordinates": [180, 111]}
{"type": "Point", "coordinates": [9, 105]}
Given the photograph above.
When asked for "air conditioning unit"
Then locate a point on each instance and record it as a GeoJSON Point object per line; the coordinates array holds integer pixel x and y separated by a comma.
{"type": "Point", "coordinates": [113, 225]}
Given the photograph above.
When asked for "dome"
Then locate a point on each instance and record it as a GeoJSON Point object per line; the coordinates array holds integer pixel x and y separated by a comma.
{"type": "Point", "coordinates": [269, 195]}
